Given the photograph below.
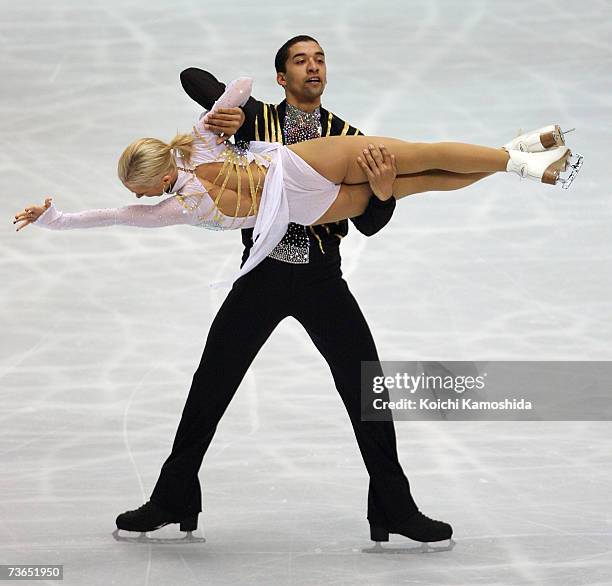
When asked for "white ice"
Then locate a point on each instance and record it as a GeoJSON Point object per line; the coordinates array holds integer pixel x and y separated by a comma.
{"type": "Point", "coordinates": [101, 330]}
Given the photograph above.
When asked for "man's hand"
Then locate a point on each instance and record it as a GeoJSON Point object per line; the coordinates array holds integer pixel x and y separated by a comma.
{"type": "Point", "coordinates": [31, 214]}
{"type": "Point", "coordinates": [380, 169]}
{"type": "Point", "coordinates": [225, 122]}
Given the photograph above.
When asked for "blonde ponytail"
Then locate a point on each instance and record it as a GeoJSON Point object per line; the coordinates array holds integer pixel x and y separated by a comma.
{"type": "Point", "coordinates": [183, 143]}
{"type": "Point", "coordinates": [146, 161]}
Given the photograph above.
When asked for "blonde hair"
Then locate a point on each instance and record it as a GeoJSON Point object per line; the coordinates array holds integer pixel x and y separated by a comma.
{"type": "Point", "coordinates": [146, 161]}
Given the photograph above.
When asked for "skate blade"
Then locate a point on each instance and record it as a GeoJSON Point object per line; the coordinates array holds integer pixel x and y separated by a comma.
{"type": "Point", "coordinates": [423, 548]}
{"type": "Point", "coordinates": [144, 538]}
{"type": "Point", "coordinates": [574, 165]}
{"type": "Point", "coordinates": [564, 132]}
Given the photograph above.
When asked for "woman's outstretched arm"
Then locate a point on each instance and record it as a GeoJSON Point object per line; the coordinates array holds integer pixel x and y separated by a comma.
{"type": "Point", "coordinates": [169, 212]}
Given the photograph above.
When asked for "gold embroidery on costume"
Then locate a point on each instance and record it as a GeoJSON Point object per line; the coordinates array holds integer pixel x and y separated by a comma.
{"type": "Point", "coordinates": [252, 190]}
{"type": "Point", "coordinates": [345, 129]}
{"type": "Point", "coordinates": [318, 238]}
{"type": "Point", "coordinates": [204, 141]}
{"type": "Point", "coordinates": [227, 167]}
{"type": "Point", "coordinates": [272, 125]}
{"type": "Point", "coordinates": [257, 128]}
{"type": "Point", "coordinates": [234, 161]}
{"type": "Point", "coordinates": [182, 201]}
{"type": "Point", "coordinates": [267, 134]}
{"type": "Point", "coordinates": [279, 132]}
{"type": "Point", "coordinates": [329, 124]}
{"type": "Point", "coordinates": [212, 224]}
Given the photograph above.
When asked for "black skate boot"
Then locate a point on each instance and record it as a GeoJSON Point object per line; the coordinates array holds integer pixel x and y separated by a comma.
{"type": "Point", "coordinates": [150, 517]}
{"type": "Point", "coordinates": [419, 528]}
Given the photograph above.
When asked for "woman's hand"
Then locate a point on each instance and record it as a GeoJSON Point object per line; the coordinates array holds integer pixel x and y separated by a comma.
{"type": "Point", "coordinates": [31, 214]}
{"type": "Point", "coordinates": [380, 169]}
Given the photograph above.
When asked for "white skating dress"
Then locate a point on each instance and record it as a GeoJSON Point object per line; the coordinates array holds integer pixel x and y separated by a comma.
{"type": "Point", "coordinates": [292, 191]}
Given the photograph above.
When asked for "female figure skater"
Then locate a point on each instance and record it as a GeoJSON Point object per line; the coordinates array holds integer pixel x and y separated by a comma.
{"type": "Point", "coordinates": [221, 187]}
{"type": "Point", "coordinates": [318, 181]}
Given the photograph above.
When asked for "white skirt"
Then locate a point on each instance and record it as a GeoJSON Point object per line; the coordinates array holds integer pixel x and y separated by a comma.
{"type": "Point", "coordinates": [292, 192]}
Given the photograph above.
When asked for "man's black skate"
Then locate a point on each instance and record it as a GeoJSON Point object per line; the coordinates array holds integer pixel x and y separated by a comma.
{"type": "Point", "coordinates": [150, 517]}
{"type": "Point", "coordinates": [419, 528]}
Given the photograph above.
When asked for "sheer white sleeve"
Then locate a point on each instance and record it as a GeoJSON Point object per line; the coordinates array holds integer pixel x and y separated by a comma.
{"type": "Point", "coordinates": [206, 148]}
{"type": "Point", "coordinates": [236, 94]}
{"type": "Point", "coordinates": [169, 212]}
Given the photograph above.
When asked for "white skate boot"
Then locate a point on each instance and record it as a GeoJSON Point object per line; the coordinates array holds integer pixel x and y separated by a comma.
{"type": "Point", "coordinates": [546, 167]}
{"type": "Point", "coordinates": [539, 140]}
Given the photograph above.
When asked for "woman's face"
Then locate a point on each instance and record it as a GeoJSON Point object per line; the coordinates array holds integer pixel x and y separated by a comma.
{"type": "Point", "coordinates": [147, 191]}
{"type": "Point", "coordinates": [154, 190]}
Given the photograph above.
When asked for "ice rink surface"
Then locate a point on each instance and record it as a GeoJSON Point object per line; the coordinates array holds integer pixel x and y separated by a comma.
{"type": "Point", "coordinates": [101, 330]}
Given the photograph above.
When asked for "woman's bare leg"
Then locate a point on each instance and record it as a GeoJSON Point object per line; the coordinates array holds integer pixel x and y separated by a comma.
{"type": "Point", "coordinates": [352, 200]}
{"type": "Point", "coordinates": [335, 157]}
{"type": "Point", "coordinates": [405, 185]}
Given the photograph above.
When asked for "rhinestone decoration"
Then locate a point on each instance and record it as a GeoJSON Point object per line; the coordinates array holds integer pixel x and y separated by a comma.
{"type": "Point", "coordinates": [299, 126]}
{"type": "Point", "coordinates": [293, 248]}
{"type": "Point", "coordinates": [211, 225]}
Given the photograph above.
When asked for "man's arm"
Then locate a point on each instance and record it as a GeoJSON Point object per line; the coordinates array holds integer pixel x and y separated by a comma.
{"type": "Point", "coordinates": [375, 217]}
{"type": "Point", "coordinates": [380, 207]}
{"type": "Point", "coordinates": [378, 213]}
{"type": "Point", "coordinates": [204, 88]}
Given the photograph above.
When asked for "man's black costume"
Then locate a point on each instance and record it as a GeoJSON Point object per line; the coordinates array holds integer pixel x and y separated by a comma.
{"type": "Point", "coordinates": [301, 278]}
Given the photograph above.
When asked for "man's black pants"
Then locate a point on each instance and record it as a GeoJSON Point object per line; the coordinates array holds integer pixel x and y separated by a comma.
{"type": "Point", "coordinates": [318, 297]}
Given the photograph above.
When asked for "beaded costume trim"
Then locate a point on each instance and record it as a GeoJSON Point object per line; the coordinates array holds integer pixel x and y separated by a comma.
{"type": "Point", "coordinates": [234, 159]}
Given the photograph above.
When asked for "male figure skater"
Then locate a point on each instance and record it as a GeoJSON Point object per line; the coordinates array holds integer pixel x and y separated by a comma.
{"type": "Point", "coordinates": [300, 278]}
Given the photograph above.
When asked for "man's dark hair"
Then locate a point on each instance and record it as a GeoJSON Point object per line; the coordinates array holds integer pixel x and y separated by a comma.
{"type": "Point", "coordinates": [280, 61]}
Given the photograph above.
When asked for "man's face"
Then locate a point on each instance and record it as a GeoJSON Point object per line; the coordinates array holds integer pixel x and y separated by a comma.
{"type": "Point", "coordinates": [306, 73]}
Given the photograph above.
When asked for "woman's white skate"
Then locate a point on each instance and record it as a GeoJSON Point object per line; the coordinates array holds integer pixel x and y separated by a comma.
{"type": "Point", "coordinates": [540, 140]}
{"type": "Point", "coordinates": [555, 166]}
